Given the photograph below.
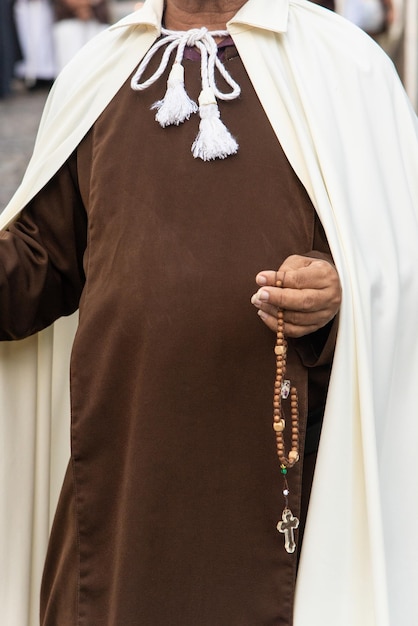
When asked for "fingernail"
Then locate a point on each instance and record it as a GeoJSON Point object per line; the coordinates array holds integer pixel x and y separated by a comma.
{"type": "Point", "coordinates": [263, 295]}
{"type": "Point", "coordinates": [255, 300]}
{"type": "Point", "coordinates": [262, 314]}
{"type": "Point", "coordinates": [261, 280]}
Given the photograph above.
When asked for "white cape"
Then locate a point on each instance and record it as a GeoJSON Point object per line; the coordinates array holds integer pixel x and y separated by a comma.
{"type": "Point", "coordinates": [336, 104]}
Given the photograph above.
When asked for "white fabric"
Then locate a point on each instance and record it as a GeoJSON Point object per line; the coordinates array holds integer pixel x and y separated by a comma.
{"type": "Point", "coordinates": [349, 132]}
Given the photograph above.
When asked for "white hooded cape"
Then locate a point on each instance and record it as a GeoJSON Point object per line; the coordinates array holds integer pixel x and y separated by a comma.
{"type": "Point", "coordinates": [341, 115]}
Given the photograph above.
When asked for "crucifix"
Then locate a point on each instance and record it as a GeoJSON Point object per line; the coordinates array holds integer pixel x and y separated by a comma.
{"type": "Point", "coordinates": [287, 525]}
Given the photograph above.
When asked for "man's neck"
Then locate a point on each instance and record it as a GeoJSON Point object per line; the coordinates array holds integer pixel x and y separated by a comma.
{"type": "Point", "coordinates": [186, 14]}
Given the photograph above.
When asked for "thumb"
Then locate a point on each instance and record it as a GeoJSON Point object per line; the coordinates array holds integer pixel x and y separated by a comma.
{"type": "Point", "coordinates": [296, 262]}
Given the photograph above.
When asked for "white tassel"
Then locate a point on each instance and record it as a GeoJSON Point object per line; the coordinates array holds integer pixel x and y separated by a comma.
{"type": "Point", "coordinates": [214, 141]}
{"type": "Point", "coordinates": [176, 106]}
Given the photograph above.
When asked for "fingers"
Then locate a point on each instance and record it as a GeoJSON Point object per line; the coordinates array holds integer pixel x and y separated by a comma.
{"type": "Point", "coordinates": [310, 295]}
{"type": "Point", "coordinates": [291, 299]}
{"type": "Point", "coordinates": [305, 291]}
{"type": "Point", "coordinates": [296, 324]}
{"type": "Point", "coordinates": [290, 329]}
{"type": "Point", "coordinates": [299, 272]}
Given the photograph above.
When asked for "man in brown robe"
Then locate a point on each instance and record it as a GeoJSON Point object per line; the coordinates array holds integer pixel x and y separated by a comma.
{"type": "Point", "coordinates": [169, 507]}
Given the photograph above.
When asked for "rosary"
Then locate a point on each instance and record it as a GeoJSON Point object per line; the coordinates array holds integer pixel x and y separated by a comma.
{"type": "Point", "coordinates": [282, 390]}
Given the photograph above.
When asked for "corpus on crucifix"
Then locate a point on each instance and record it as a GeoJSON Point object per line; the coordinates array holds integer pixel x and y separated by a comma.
{"type": "Point", "coordinates": [287, 525]}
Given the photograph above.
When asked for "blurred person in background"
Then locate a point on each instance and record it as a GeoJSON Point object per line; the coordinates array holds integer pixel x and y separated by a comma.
{"type": "Point", "coordinates": [76, 22]}
{"type": "Point", "coordinates": [373, 16]}
{"type": "Point", "coordinates": [34, 19]}
{"type": "Point", "coordinates": [9, 46]}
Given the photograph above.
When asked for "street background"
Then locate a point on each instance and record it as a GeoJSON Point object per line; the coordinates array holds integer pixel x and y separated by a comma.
{"type": "Point", "coordinates": [19, 119]}
{"type": "Point", "coordinates": [20, 114]}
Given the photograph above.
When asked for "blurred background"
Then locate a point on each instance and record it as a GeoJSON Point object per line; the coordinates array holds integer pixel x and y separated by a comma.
{"type": "Point", "coordinates": [38, 37]}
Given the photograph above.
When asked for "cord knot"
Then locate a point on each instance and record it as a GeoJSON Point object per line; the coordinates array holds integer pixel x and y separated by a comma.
{"type": "Point", "coordinates": [194, 35]}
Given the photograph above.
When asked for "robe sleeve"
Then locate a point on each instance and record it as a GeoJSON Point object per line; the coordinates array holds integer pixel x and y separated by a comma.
{"type": "Point", "coordinates": [316, 352]}
{"type": "Point", "coordinates": [41, 258]}
{"type": "Point", "coordinates": [317, 349]}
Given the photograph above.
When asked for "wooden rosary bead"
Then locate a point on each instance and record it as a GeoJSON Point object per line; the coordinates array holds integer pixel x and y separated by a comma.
{"type": "Point", "coordinates": [279, 426]}
{"type": "Point", "coordinates": [281, 391]}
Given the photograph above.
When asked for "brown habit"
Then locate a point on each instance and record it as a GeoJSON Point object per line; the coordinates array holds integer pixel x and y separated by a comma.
{"type": "Point", "coordinates": [169, 508]}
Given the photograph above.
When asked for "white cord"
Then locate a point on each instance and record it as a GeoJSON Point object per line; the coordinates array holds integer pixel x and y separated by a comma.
{"type": "Point", "coordinates": [202, 39]}
{"type": "Point", "coordinates": [214, 140]}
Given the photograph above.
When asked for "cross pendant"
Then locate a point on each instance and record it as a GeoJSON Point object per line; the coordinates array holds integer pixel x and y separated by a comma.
{"type": "Point", "coordinates": [286, 526]}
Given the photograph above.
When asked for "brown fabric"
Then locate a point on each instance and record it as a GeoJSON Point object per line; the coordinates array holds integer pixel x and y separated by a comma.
{"type": "Point", "coordinates": [169, 509]}
{"type": "Point", "coordinates": [58, 599]}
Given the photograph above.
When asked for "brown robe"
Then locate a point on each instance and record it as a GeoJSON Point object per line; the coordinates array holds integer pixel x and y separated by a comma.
{"type": "Point", "coordinates": [169, 507]}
